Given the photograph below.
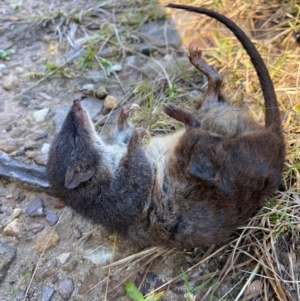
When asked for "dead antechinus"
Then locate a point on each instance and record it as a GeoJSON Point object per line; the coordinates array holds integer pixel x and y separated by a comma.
{"type": "Point", "coordinates": [189, 189]}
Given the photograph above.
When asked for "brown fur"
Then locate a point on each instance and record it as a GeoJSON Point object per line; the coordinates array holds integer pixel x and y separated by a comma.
{"type": "Point", "coordinates": [188, 189]}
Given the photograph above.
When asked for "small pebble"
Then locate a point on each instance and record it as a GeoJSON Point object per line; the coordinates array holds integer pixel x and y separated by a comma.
{"type": "Point", "coordinates": [66, 288]}
{"type": "Point", "coordinates": [45, 95]}
{"type": "Point", "coordinates": [20, 151]}
{"type": "Point", "coordinates": [37, 227]}
{"type": "Point", "coordinates": [19, 70]}
{"type": "Point", "coordinates": [116, 67]}
{"type": "Point", "coordinates": [88, 89]}
{"type": "Point", "coordinates": [30, 154]}
{"type": "Point", "coordinates": [35, 207]}
{"type": "Point", "coordinates": [11, 83]}
{"type": "Point", "coordinates": [47, 293]}
{"type": "Point", "coordinates": [51, 218]}
{"type": "Point", "coordinates": [46, 240]}
{"type": "Point", "coordinates": [46, 271]}
{"type": "Point", "coordinates": [110, 102]}
{"type": "Point", "coordinates": [101, 256]}
{"type": "Point", "coordinates": [40, 115]}
{"type": "Point", "coordinates": [41, 159]}
{"type": "Point", "coordinates": [101, 92]}
{"type": "Point", "coordinates": [45, 148]}
{"type": "Point", "coordinates": [17, 212]}
{"type": "Point", "coordinates": [40, 136]}
{"type": "Point", "coordinates": [64, 257]}
{"type": "Point", "coordinates": [12, 229]}
{"type": "Point", "coordinates": [70, 265]}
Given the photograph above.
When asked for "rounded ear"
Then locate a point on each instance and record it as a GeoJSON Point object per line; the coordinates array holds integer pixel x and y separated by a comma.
{"type": "Point", "coordinates": [78, 174]}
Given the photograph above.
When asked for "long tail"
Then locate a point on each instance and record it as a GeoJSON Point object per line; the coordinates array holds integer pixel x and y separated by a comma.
{"type": "Point", "coordinates": [272, 119]}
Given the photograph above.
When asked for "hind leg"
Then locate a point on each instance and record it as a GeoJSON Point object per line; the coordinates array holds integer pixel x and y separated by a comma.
{"type": "Point", "coordinates": [214, 79]}
{"type": "Point", "coordinates": [184, 116]}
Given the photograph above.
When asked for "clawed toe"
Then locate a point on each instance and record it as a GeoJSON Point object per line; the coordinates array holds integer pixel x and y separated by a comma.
{"type": "Point", "coordinates": [125, 113]}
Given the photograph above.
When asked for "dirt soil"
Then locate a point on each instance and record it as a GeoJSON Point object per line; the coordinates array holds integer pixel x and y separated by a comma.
{"type": "Point", "coordinates": [47, 251]}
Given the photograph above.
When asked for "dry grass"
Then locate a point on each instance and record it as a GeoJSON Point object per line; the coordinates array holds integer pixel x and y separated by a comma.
{"type": "Point", "coordinates": [262, 261]}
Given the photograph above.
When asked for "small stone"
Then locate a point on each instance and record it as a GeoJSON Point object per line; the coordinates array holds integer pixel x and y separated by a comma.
{"type": "Point", "coordinates": [25, 101]}
{"type": "Point", "coordinates": [110, 102]}
{"type": "Point", "coordinates": [9, 146]}
{"type": "Point", "coordinates": [88, 282]}
{"type": "Point", "coordinates": [88, 89]}
{"type": "Point", "coordinates": [30, 145]}
{"type": "Point", "coordinates": [17, 212]}
{"type": "Point", "coordinates": [20, 70]}
{"type": "Point", "coordinates": [40, 136]}
{"type": "Point", "coordinates": [70, 265]}
{"type": "Point", "coordinates": [46, 240]}
{"type": "Point", "coordinates": [12, 229]}
{"type": "Point", "coordinates": [9, 127]}
{"type": "Point", "coordinates": [47, 293]}
{"type": "Point", "coordinates": [20, 152]}
{"type": "Point", "coordinates": [51, 218]}
{"type": "Point", "coordinates": [35, 207]}
{"type": "Point", "coordinates": [101, 256]}
{"type": "Point", "coordinates": [41, 159]}
{"type": "Point", "coordinates": [2, 66]}
{"type": "Point", "coordinates": [45, 95]}
{"type": "Point", "coordinates": [144, 49]}
{"type": "Point", "coordinates": [116, 67]}
{"type": "Point", "coordinates": [37, 227]}
{"type": "Point", "coordinates": [11, 83]}
{"type": "Point", "coordinates": [9, 196]}
{"type": "Point", "coordinates": [64, 257]}
{"type": "Point", "coordinates": [66, 288]}
{"type": "Point", "coordinates": [7, 255]}
{"type": "Point", "coordinates": [17, 132]}
{"type": "Point", "coordinates": [30, 154]}
{"type": "Point", "coordinates": [40, 115]}
{"type": "Point", "coordinates": [47, 38]}
{"type": "Point", "coordinates": [47, 271]}
{"type": "Point", "coordinates": [101, 92]}
{"type": "Point", "coordinates": [77, 233]}
{"type": "Point", "coordinates": [45, 148]}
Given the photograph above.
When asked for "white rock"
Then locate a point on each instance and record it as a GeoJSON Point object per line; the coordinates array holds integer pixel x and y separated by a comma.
{"type": "Point", "coordinates": [2, 66]}
{"type": "Point", "coordinates": [88, 88]}
{"type": "Point", "coordinates": [45, 148]}
{"type": "Point", "coordinates": [116, 67]}
{"type": "Point", "coordinates": [12, 229]}
{"type": "Point", "coordinates": [40, 115]}
{"type": "Point", "coordinates": [17, 212]}
{"type": "Point", "coordinates": [99, 256]}
{"type": "Point", "coordinates": [64, 257]}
